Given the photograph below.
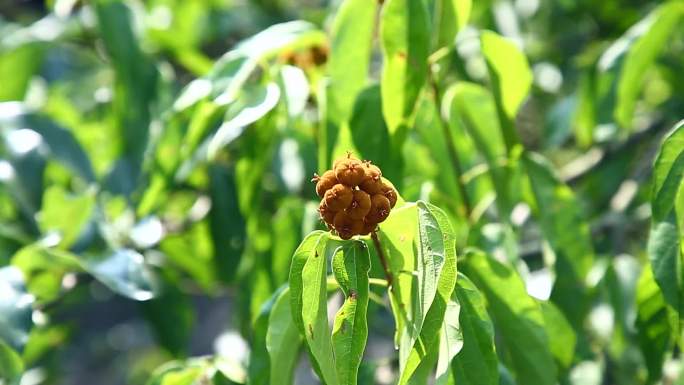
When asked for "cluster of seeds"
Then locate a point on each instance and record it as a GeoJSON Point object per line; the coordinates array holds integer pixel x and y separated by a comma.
{"type": "Point", "coordinates": [354, 197]}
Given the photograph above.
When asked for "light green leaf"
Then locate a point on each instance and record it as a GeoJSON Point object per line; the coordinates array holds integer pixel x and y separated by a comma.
{"type": "Point", "coordinates": [435, 278]}
{"type": "Point", "coordinates": [450, 342]}
{"type": "Point", "coordinates": [44, 269]}
{"type": "Point", "coordinates": [517, 316]}
{"type": "Point", "coordinates": [352, 38]}
{"type": "Point", "coordinates": [511, 79]}
{"type": "Point", "coordinates": [282, 340]}
{"type": "Point", "coordinates": [65, 213]}
{"type": "Point", "coordinates": [350, 264]}
{"type": "Point", "coordinates": [643, 43]}
{"type": "Point", "coordinates": [667, 173]}
{"type": "Point", "coordinates": [476, 363]}
{"type": "Point", "coordinates": [451, 17]}
{"type": "Point", "coordinates": [653, 323]}
{"type": "Point", "coordinates": [179, 373]}
{"type": "Point", "coordinates": [309, 301]}
{"type": "Point", "coordinates": [11, 366]}
{"type": "Point", "coordinates": [562, 337]}
{"type": "Point", "coordinates": [17, 66]}
{"type": "Point", "coordinates": [397, 236]}
{"type": "Point", "coordinates": [568, 234]}
{"type": "Point", "coordinates": [405, 38]}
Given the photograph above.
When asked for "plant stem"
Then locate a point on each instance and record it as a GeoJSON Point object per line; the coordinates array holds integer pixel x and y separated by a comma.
{"type": "Point", "coordinates": [451, 147]}
{"type": "Point", "coordinates": [383, 260]}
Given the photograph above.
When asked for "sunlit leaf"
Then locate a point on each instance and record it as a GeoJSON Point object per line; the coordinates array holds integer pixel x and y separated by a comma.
{"type": "Point", "coordinates": [309, 301]}
{"type": "Point", "coordinates": [511, 79]}
{"type": "Point", "coordinates": [350, 265]}
{"type": "Point", "coordinates": [517, 316]}
{"type": "Point", "coordinates": [635, 52]}
{"type": "Point", "coordinates": [405, 37]}
{"type": "Point", "coordinates": [476, 363]}
{"type": "Point", "coordinates": [65, 213]}
{"type": "Point", "coordinates": [11, 366]}
{"type": "Point", "coordinates": [452, 16]}
{"type": "Point", "coordinates": [562, 338]}
{"type": "Point", "coordinates": [435, 276]}
{"type": "Point", "coordinates": [653, 323]}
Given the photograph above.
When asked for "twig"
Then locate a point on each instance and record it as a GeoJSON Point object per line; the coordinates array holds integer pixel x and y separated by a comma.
{"type": "Point", "coordinates": [383, 260]}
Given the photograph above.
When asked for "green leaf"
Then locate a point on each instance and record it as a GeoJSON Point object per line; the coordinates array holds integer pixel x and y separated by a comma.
{"type": "Point", "coordinates": [451, 17]}
{"type": "Point", "coordinates": [450, 342]}
{"type": "Point", "coordinates": [65, 213]}
{"type": "Point", "coordinates": [179, 373]}
{"type": "Point", "coordinates": [253, 107]}
{"type": "Point", "coordinates": [637, 51]}
{"type": "Point", "coordinates": [664, 243]}
{"type": "Point", "coordinates": [562, 337]}
{"type": "Point", "coordinates": [654, 328]}
{"type": "Point", "coordinates": [517, 316]}
{"type": "Point", "coordinates": [397, 238]}
{"type": "Point", "coordinates": [136, 78]}
{"type": "Point", "coordinates": [282, 340]}
{"type": "Point", "coordinates": [435, 278]}
{"type": "Point", "coordinates": [171, 315]}
{"type": "Point", "coordinates": [405, 38]}
{"type": "Point", "coordinates": [568, 234]}
{"type": "Point", "coordinates": [350, 265]}
{"type": "Point", "coordinates": [227, 225]}
{"type": "Point", "coordinates": [369, 132]}
{"type": "Point", "coordinates": [259, 369]}
{"type": "Point", "coordinates": [309, 301]}
{"type": "Point", "coordinates": [125, 272]}
{"type": "Point", "coordinates": [464, 104]}
{"type": "Point", "coordinates": [352, 39]}
{"type": "Point", "coordinates": [667, 173]}
{"type": "Point", "coordinates": [511, 79]}
{"type": "Point", "coordinates": [15, 309]}
{"type": "Point", "coordinates": [17, 66]}
{"type": "Point", "coordinates": [11, 366]}
{"type": "Point", "coordinates": [476, 363]}
{"type": "Point", "coordinates": [44, 269]}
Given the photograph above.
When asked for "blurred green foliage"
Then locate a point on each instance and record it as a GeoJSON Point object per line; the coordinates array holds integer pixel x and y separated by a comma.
{"type": "Point", "coordinates": [154, 167]}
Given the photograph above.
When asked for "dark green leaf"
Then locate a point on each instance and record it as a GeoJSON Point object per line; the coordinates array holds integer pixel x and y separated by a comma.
{"type": "Point", "coordinates": [667, 173]}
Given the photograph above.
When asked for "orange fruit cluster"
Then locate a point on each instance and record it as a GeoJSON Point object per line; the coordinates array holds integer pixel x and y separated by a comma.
{"type": "Point", "coordinates": [354, 197]}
